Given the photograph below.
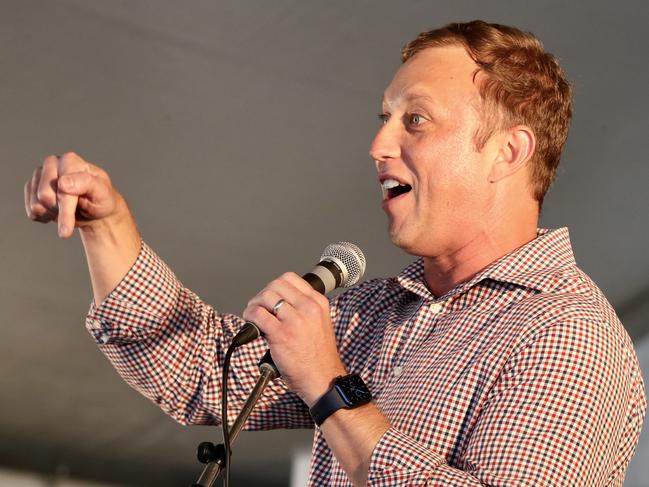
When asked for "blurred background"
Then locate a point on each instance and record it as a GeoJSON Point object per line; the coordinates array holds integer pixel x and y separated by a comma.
{"type": "Point", "coordinates": [238, 131]}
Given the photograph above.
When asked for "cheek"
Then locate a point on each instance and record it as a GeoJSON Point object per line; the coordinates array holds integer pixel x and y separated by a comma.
{"type": "Point", "coordinates": [448, 163]}
{"type": "Point", "coordinates": [466, 165]}
{"type": "Point", "coordinates": [454, 183]}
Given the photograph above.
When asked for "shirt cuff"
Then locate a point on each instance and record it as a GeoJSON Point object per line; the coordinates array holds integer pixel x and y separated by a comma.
{"type": "Point", "coordinates": [139, 306]}
{"type": "Point", "coordinates": [398, 457]}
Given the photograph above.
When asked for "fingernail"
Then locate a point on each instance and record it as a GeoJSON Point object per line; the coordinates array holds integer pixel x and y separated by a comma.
{"type": "Point", "coordinates": [62, 230]}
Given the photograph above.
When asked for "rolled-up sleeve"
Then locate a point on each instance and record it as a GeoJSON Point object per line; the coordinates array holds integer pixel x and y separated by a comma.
{"type": "Point", "coordinates": [399, 460]}
{"type": "Point", "coordinates": [169, 345]}
{"type": "Point", "coordinates": [139, 306]}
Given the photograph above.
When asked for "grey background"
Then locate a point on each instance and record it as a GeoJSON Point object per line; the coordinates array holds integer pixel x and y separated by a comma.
{"type": "Point", "coordinates": [238, 131]}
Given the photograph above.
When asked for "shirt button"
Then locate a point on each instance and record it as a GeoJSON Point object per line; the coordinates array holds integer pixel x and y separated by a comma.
{"type": "Point", "coordinates": [104, 338]}
{"type": "Point", "coordinates": [397, 371]}
{"type": "Point", "coordinates": [436, 308]}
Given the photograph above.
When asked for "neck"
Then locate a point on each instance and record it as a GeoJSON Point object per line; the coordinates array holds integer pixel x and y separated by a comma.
{"type": "Point", "coordinates": [446, 271]}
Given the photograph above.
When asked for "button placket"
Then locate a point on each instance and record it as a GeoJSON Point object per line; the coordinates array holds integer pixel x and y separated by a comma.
{"type": "Point", "coordinates": [434, 308]}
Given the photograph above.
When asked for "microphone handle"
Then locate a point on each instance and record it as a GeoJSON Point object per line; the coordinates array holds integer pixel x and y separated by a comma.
{"type": "Point", "coordinates": [325, 277]}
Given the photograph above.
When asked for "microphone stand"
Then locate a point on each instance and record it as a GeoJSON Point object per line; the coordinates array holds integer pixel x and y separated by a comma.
{"type": "Point", "coordinates": [213, 456]}
{"type": "Point", "coordinates": [330, 273]}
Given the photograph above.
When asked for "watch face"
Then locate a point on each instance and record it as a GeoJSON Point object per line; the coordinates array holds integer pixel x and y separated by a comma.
{"type": "Point", "coordinates": [353, 390]}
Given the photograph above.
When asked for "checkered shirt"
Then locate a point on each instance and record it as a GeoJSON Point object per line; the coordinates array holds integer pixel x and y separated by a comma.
{"type": "Point", "coordinates": [521, 376]}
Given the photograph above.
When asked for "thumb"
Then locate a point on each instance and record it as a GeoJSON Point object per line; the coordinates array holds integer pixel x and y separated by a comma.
{"type": "Point", "coordinates": [90, 196]}
{"type": "Point", "coordinates": [76, 184]}
{"type": "Point", "coordinates": [67, 204]}
{"type": "Point", "coordinates": [69, 188]}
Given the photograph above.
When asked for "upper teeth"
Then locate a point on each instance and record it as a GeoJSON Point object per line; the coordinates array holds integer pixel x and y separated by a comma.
{"type": "Point", "coordinates": [390, 183]}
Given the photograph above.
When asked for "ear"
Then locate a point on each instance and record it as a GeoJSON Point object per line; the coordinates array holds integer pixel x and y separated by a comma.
{"type": "Point", "coordinates": [516, 147]}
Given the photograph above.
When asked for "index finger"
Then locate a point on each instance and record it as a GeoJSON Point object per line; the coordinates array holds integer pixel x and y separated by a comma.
{"type": "Point", "coordinates": [71, 162]}
{"type": "Point", "coordinates": [302, 285]}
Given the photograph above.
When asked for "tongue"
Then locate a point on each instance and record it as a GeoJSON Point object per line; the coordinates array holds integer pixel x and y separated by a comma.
{"type": "Point", "coordinates": [399, 190]}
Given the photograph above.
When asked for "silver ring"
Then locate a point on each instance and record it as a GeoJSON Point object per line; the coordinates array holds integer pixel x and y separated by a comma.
{"type": "Point", "coordinates": [277, 306]}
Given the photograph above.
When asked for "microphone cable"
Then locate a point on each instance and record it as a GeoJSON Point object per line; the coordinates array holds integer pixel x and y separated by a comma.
{"type": "Point", "coordinates": [225, 428]}
{"type": "Point", "coordinates": [341, 265]}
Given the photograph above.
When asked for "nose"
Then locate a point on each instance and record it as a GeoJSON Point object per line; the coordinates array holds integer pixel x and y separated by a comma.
{"type": "Point", "coordinates": [386, 143]}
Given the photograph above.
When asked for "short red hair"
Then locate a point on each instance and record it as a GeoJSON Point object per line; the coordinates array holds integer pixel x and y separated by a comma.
{"type": "Point", "coordinates": [523, 84]}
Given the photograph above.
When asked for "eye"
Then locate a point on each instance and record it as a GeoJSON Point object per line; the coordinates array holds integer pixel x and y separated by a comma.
{"type": "Point", "coordinates": [415, 119]}
{"type": "Point", "coordinates": [384, 117]}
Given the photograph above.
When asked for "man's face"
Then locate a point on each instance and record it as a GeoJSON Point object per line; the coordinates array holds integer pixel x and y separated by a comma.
{"type": "Point", "coordinates": [431, 115]}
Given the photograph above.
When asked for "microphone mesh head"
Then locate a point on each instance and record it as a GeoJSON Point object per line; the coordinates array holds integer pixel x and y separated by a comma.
{"type": "Point", "coordinates": [349, 258]}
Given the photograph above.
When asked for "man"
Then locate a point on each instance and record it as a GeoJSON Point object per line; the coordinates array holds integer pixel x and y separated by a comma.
{"type": "Point", "coordinates": [492, 359]}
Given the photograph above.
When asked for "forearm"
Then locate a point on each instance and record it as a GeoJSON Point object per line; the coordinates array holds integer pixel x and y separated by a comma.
{"type": "Point", "coordinates": [168, 345]}
{"type": "Point", "coordinates": [112, 246]}
{"type": "Point", "coordinates": [352, 435]}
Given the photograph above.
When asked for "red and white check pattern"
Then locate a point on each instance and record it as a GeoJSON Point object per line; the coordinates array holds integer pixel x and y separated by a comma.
{"type": "Point", "coordinates": [521, 376]}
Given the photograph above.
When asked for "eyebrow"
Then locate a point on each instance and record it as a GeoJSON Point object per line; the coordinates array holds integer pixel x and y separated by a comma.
{"type": "Point", "coordinates": [413, 96]}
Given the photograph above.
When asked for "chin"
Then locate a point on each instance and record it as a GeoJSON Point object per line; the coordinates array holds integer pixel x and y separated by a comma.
{"type": "Point", "coordinates": [401, 240]}
{"type": "Point", "coordinates": [417, 242]}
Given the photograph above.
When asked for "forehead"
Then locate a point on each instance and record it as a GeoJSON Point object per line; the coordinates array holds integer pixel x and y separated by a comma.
{"type": "Point", "coordinates": [443, 74]}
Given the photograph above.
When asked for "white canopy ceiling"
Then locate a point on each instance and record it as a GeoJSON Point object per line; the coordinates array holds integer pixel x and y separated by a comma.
{"type": "Point", "coordinates": [238, 131]}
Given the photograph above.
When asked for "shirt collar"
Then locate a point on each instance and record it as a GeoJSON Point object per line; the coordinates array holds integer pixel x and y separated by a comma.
{"type": "Point", "coordinates": [535, 265]}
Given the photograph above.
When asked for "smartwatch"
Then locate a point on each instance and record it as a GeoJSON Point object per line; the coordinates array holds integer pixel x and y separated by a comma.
{"type": "Point", "coordinates": [348, 392]}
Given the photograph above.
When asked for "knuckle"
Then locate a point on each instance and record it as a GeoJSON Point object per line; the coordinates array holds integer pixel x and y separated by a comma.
{"type": "Point", "coordinates": [322, 300]}
{"type": "Point", "coordinates": [50, 160]}
{"type": "Point", "coordinates": [101, 174]}
{"type": "Point", "coordinates": [311, 308]}
{"type": "Point", "coordinates": [36, 212]}
{"type": "Point", "coordinates": [255, 314]}
{"type": "Point", "coordinates": [246, 312]}
{"type": "Point", "coordinates": [275, 283]}
{"type": "Point", "coordinates": [250, 310]}
{"type": "Point", "coordinates": [253, 301]}
{"type": "Point", "coordinates": [45, 196]}
{"type": "Point", "coordinates": [69, 162]}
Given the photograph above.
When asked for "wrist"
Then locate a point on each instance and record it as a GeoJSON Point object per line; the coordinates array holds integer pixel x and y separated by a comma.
{"type": "Point", "coordinates": [348, 392]}
{"type": "Point", "coordinates": [114, 229]}
{"type": "Point", "coordinates": [112, 245]}
{"type": "Point", "coordinates": [322, 385]}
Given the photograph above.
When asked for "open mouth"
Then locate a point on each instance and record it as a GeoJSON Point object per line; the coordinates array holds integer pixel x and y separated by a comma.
{"type": "Point", "coordinates": [391, 188]}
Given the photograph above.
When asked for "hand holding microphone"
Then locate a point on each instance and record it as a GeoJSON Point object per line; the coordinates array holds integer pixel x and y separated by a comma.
{"type": "Point", "coordinates": [299, 332]}
{"type": "Point", "coordinates": [341, 265]}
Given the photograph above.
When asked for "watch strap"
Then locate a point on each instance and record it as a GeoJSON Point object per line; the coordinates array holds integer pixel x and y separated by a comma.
{"type": "Point", "coordinates": [332, 401]}
{"type": "Point", "coordinates": [327, 405]}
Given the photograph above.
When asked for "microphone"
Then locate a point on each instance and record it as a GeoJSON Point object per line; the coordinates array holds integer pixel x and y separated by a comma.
{"type": "Point", "coordinates": [342, 264]}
